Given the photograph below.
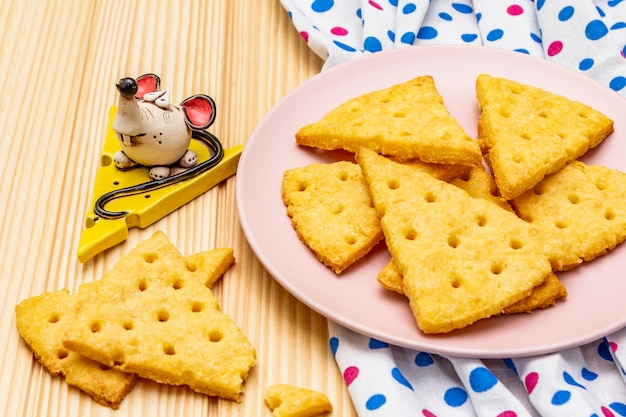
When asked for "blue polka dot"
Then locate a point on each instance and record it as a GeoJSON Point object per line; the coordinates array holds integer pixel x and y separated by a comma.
{"type": "Point", "coordinates": [359, 13]}
{"type": "Point", "coordinates": [372, 44]}
{"type": "Point", "coordinates": [479, 16]}
{"type": "Point", "coordinates": [595, 30]}
{"type": "Point", "coordinates": [445, 16]}
{"type": "Point", "coordinates": [561, 397]}
{"type": "Point", "coordinates": [334, 345]}
{"type": "Point", "coordinates": [618, 25]}
{"type": "Point", "coordinates": [600, 11]}
{"type": "Point", "coordinates": [619, 408]}
{"type": "Point", "coordinates": [427, 32]}
{"type": "Point", "coordinates": [462, 8]}
{"type": "Point", "coordinates": [424, 359]}
{"type": "Point", "coordinates": [566, 13]}
{"type": "Point", "coordinates": [321, 6]}
{"type": "Point", "coordinates": [377, 344]}
{"type": "Point", "coordinates": [469, 37]}
{"type": "Point", "coordinates": [522, 50]}
{"type": "Point", "coordinates": [511, 365]}
{"type": "Point", "coordinates": [618, 83]}
{"type": "Point", "coordinates": [481, 379]}
{"type": "Point", "coordinates": [344, 46]}
{"type": "Point", "coordinates": [394, 3]}
{"type": "Point", "coordinates": [397, 375]}
{"type": "Point", "coordinates": [588, 375]}
{"type": "Point", "coordinates": [409, 8]}
{"type": "Point", "coordinates": [571, 381]}
{"type": "Point", "coordinates": [375, 402]}
{"type": "Point", "coordinates": [613, 3]}
{"type": "Point", "coordinates": [585, 64]}
{"type": "Point", "coordinates": [603, 351]}
{"type": "Point", "coordinates": [408, 38]}
{"type": "Point", "coordinates": [391, 35]}
{"type": "Point", "coordinates": [495, 34]}
{"type": "Point", "coordinates": [535, 37]}
{"type": "Point", "coordinates": [540, 4]}
{"type": "Point", "coordinates": [455, 397]}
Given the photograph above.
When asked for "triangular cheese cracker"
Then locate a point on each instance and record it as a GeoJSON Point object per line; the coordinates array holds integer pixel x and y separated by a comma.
{"type": "Point", "coordinates": [462, 258]}
{"type": "Point", "coordinates": [407, 120]}
{"type": "Point", "coordinates": [580, 210]}
{"type": "Point", "coordinates": [154, 316]}
{"type": "Point", "coordinates": [332, 212]}
{"type": "Point", "coordinates": [478, 183]}
{"type": "Point", "coordinates": [527, 133]}
{"type": "Point", "coordinates": [41, 321]}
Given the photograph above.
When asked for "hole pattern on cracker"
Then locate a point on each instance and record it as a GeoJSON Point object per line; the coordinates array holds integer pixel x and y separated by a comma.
{"type": "Point", "coordinates": [163, 315]}
{"type": "Point", "coordinates": [150, 257]}
{"type": "Point", "coordinates": [216, 336]}
{"type": "Point", "coordinates": [169, 349]}
{"type": "Point", "coordinates": [197, 306]}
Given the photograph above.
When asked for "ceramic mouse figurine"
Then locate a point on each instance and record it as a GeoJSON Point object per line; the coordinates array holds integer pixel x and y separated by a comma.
{"type": "Point", "coordinates": [154, 133]}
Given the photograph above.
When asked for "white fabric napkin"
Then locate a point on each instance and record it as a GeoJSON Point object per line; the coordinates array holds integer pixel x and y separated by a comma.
{"type": "Point", "coordinates": [383, 380]}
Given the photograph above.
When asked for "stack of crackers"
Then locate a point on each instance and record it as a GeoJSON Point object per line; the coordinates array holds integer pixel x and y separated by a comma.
{"type": "Point", "coordinates": [152, 316]}
{"type": "Point", "coordinates": [466, 242]}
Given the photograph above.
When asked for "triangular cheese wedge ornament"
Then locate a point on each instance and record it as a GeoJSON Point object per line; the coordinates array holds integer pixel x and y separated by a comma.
{"type": "Point", "coordinates": [462, 258]}
{"type": "Point", "coordinates": [407, 120]}
{"type": "Point", "coordinates": [527, 133]}
{"type": "Point", "coordinates": [142, 208]}
{"type": "Point", "coordinates": [154, 315]}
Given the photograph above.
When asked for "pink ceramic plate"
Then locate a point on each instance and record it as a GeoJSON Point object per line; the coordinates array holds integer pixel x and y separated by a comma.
{"type": "Point", "coordinates": [595, 305]}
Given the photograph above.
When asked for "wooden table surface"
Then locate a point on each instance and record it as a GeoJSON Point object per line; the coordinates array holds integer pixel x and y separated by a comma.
{"type": "Point", "coordinates": [59, 62]}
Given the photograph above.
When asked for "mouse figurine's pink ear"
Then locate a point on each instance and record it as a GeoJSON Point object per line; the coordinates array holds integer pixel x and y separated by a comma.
{"type": "Point", "coordinates": [147, 83]}
{"type": "Point", "coordinates": [199, 111]}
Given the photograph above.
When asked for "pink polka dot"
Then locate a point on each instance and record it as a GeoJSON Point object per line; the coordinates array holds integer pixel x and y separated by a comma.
{"type": "Point", "coordinates": [555, 48]}
{"type": "Point", "coordinates": [508, 413]}
{"type": "Point", "coordinates": [427, 413]}
{"type": "Point", "coordinates": [531, 381]}
{"type": "Point", "coordinates": [376, 5]}
{"type": "Point", "coordinates": [339, 31]}
{"type": "Point", "coordinates": [305, 35]}
{"type": "Point", "coordinates": [515, 10]}
{"type": "Point", "coordinates": [350, 374]}
{"type": "Point", "coordinates": [613, 346]}
{"type": "Point", "coordinates": [606, 412]}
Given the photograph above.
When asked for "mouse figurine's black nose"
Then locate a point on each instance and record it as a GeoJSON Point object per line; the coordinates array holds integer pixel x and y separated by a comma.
{"type": "Point", "coordinates": [127, 87]}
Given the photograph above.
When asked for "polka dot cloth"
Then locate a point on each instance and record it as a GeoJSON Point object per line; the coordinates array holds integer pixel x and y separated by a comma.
{"type": "Point", "coordinates": [586, 35]}
{"type": "Point", "coordinates": [384, 380]}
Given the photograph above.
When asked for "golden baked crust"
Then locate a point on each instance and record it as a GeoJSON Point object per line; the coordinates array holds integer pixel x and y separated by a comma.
{"type": "Point", "coordinates": [286, 400]}
{"type": "Point", "coordinates": [580, 210]}
{"type": "Point", "coordinates": [153, 315]}
{"type": "Point", "coordinates": [527, 133]}
{"type": "Point", "coordinates": [462, 258]}
{"type": "Point", "coordinates": [41, 321]}
{"type": "Point", "coordinates": [479, 184]}
{"type": "Point", "coordinates": [407, 120]}
{"type": "Point", "coordinates": [332, 212]}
